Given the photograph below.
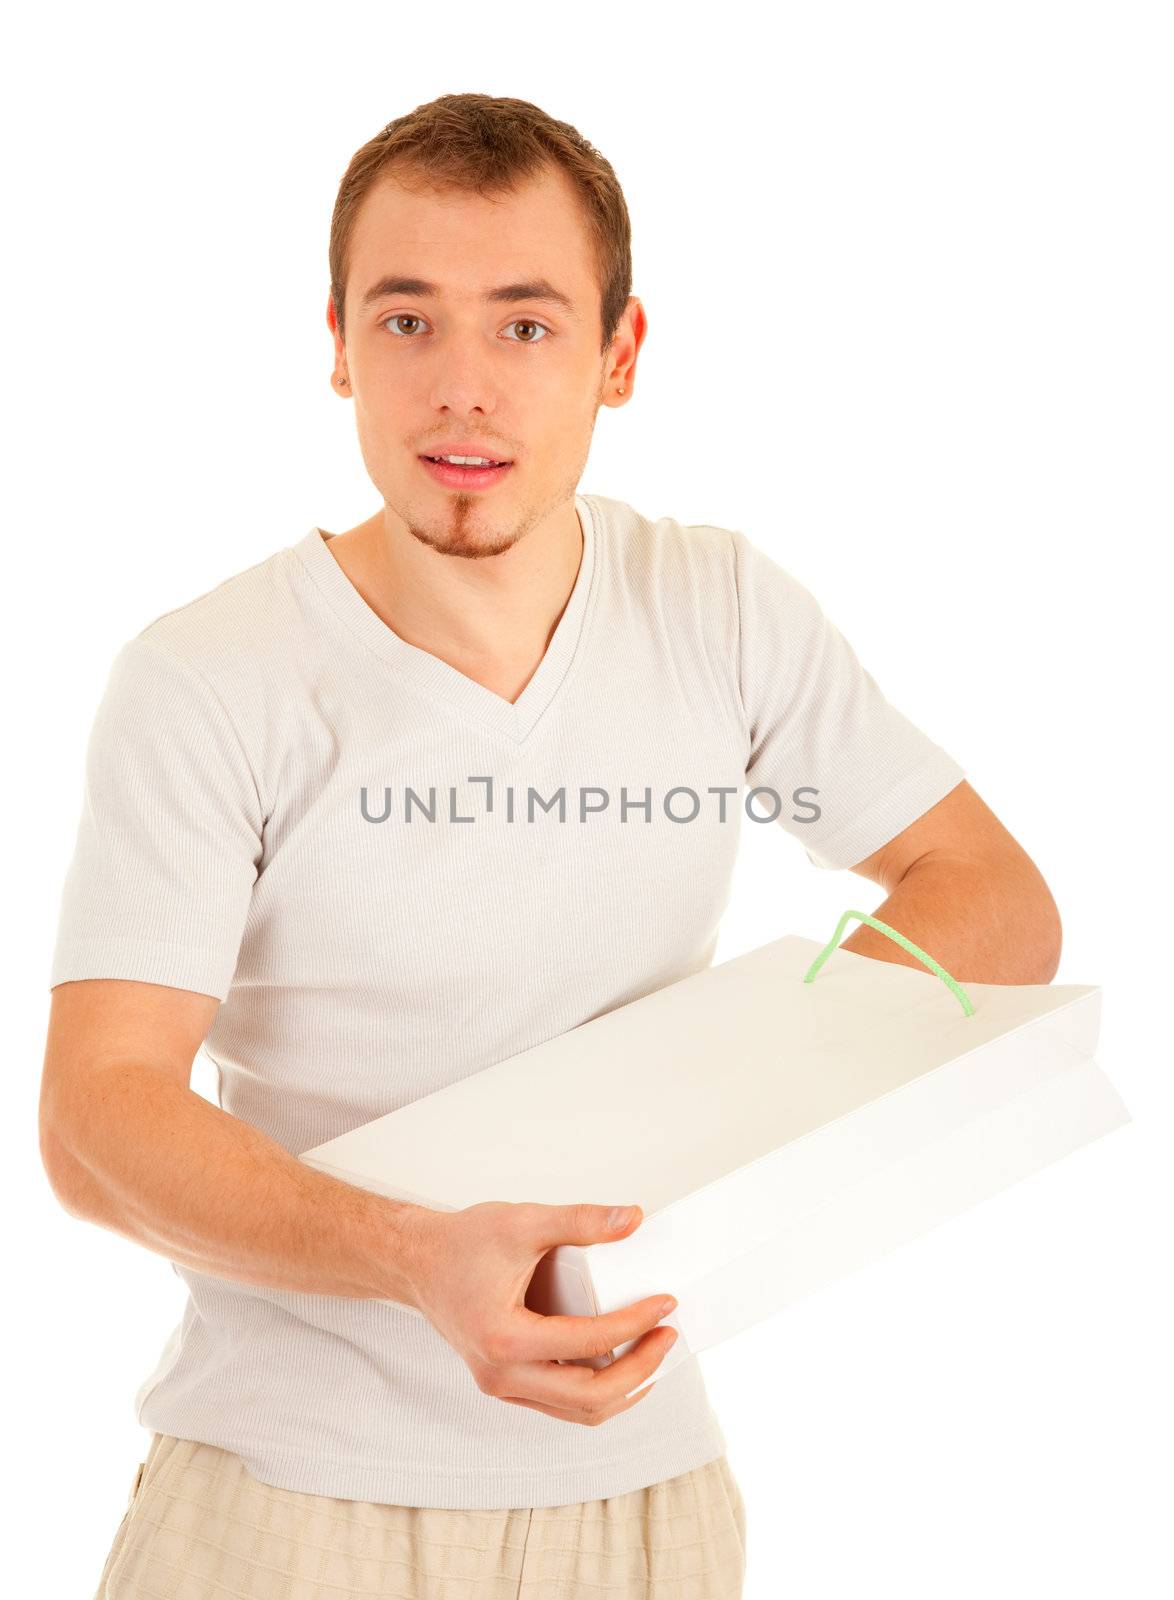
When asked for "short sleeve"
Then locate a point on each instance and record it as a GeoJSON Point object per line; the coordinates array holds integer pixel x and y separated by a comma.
{"type": "Point", "coordinates": [850, 769]}
{"type": "Point", "coordinates": [170, 839]}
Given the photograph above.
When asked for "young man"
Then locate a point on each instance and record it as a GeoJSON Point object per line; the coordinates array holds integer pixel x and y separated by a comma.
{"type": "Point", "coordinates": [357, 1393]}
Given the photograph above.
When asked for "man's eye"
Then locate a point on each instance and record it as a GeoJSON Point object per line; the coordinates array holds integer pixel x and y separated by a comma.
{"type": "Point", "coordinates": [526, 323]}
{"type": "Point", "coordinates": [392, 325]}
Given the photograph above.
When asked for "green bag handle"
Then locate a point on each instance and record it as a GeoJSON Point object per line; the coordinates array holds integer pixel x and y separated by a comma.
{"type": "Point", "coordinates": [906, 944]}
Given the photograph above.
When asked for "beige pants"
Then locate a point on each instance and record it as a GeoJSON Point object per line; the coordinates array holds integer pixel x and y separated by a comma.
{"type": "Point", "coordinates": [200, 1527]}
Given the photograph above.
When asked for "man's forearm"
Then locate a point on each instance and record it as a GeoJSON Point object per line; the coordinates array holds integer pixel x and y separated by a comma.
{"type": "Point", "coordinates": [986, 922]}
{"type": "Point", "coordinates": [153, 1160]}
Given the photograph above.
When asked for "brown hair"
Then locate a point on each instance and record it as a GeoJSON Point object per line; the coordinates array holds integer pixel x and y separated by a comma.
{"type": "Point", "coordinates": [487, 144]}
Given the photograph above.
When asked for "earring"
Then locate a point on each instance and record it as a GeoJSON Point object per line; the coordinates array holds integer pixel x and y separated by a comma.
{"type": "Point", "coordinates": [340, 380]}
{"type": "Point", "coordinates": [620, 390]}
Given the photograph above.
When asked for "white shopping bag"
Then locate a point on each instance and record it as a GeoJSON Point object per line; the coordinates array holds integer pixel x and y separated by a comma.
{"type": "Point", "coordinates": [782, 1118]}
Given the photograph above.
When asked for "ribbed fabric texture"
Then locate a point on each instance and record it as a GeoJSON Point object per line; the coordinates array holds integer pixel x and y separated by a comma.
{"type": "Point", "coordinates": [241, 750]}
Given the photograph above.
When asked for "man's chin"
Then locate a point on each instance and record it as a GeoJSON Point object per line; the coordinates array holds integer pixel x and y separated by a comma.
{"type": "Point", "coordinates": [470, 541]}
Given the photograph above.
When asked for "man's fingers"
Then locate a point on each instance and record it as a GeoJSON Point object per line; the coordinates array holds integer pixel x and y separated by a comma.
{"type": "Point", "coordinates": [584, 1391]}
{"type": "Point", "coordinates": [559, 1338]}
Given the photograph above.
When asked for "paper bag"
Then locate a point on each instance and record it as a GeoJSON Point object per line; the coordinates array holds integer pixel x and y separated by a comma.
{"type": "Point", "coordinates": [782, 1118]}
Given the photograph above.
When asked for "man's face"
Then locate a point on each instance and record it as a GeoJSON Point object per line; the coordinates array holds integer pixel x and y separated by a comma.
{"type": "Point", "coordinates": [521, 378]}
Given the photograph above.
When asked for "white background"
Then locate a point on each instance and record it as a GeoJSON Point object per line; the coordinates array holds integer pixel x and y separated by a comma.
{"type": "Point", "coordinates": [907, 273]}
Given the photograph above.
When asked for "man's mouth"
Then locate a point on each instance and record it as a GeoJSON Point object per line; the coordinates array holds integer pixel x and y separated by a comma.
{"type": "Point", "coordinates": [463, 473]}
{"type": "Point", "coordinates": [468, 461]}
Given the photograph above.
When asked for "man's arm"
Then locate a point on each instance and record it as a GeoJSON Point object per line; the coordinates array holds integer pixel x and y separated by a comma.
{"type": "Point", "coordinates": [960, 886]}
{"type": "Point", "coordinates": [126, 1143]}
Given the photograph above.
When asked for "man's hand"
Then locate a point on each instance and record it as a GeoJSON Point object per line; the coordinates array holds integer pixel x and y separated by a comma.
{"type": "Point", "coordinates": [470, 1274]}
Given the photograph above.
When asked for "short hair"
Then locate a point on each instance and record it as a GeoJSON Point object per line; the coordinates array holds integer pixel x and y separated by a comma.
{"type": "Point", "coordinates": [487, 144]}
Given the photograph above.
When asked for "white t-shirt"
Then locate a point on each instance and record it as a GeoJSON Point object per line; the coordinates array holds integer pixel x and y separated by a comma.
{"type": "Point", "coordinates": [249, 831]}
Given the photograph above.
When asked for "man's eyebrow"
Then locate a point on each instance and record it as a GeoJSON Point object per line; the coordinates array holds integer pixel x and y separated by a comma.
{"type": "Point", "coordinates": [528, 289]}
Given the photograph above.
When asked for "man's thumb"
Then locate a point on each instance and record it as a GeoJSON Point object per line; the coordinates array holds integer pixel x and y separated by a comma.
{"type": "Point", "coordinates": [588, 1224]}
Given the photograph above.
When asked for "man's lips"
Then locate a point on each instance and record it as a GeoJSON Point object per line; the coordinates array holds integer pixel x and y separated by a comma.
{"type": "Point", "coordinates": [455, 477]}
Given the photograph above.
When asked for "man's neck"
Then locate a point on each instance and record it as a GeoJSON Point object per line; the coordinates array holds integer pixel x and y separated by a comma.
{"type": "Point", "coordinates": [491, 617]}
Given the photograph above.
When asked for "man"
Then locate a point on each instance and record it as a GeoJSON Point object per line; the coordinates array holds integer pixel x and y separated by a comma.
{"type": "Point", "coordinates": [357, 1394]}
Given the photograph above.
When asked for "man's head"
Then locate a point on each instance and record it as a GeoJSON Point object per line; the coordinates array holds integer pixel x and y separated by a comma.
{"type": "Point", "coordinates": [474, 195]}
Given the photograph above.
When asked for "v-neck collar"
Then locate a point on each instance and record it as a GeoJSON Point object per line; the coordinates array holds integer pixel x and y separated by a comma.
{"type": "Point", "coordinates": [436, 677]}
